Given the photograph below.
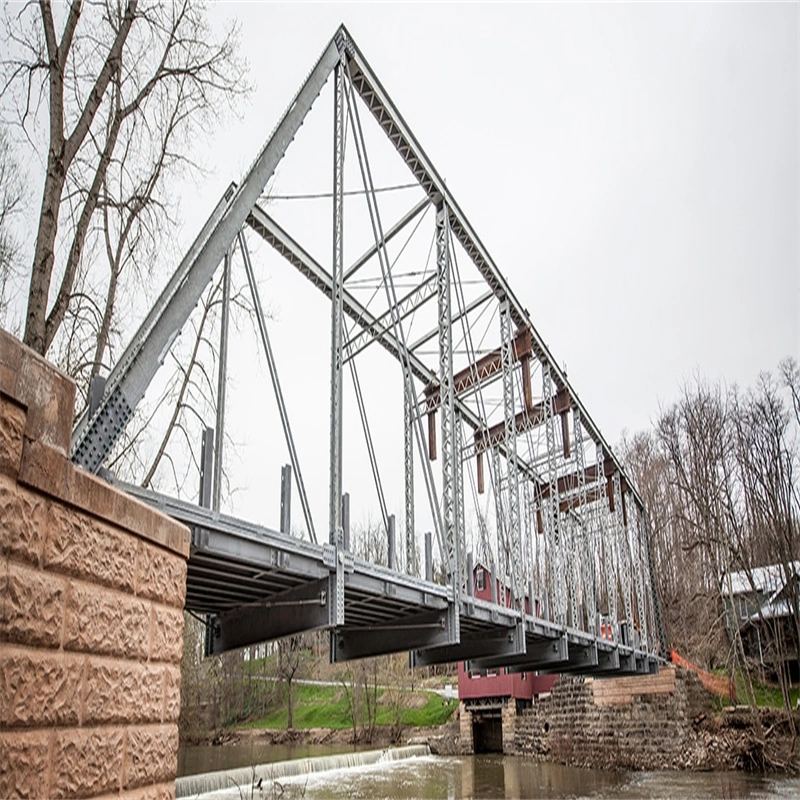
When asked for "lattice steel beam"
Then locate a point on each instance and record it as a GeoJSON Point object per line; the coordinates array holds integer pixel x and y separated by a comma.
{"type": "Point", "coordinates": [509, 353]}
{"type": "Point", "coordinates": [445, 377]}
{"type": "Point", "coordinates": [406, 306]}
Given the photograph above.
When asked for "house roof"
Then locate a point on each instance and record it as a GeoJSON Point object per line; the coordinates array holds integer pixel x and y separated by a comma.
{"type": "Point", "coordinates": [766, 580]}
{"type": "Point", "coordinates": [772, 610]}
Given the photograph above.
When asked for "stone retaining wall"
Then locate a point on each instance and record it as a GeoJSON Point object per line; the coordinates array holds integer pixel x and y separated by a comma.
{"type": "Point", "coordinates": [467, 744]}
{"type": "Point", "coordinates": [92, 587]}
{"type": "Point", "coordinates": [625, 723]}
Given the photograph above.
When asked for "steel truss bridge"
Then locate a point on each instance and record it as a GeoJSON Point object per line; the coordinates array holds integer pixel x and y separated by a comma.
{"type": "Point", "coordinates": [563, 533]}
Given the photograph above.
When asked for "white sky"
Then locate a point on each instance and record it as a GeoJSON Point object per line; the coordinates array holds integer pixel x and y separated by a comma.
{"type": "Point", "coordinates": [632, 169]}
{"type": "Point", "coordinates": [637, 161]}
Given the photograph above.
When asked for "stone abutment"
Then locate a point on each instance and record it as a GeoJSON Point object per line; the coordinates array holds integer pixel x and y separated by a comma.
{"type": "Point", "coordinates": [92, 588]}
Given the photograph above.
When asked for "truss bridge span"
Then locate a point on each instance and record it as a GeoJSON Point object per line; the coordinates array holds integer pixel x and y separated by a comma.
{"type": "Point", "coordinates": [504, 472]}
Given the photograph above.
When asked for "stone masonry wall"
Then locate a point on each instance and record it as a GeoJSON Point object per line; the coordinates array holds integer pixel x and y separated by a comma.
{"type": "Point", "coordinates": [509, 723]}
{"type": "Point", "coordinates": [465, 729]}
{"type": "Point", "coordinates": [92, 587]}
{"type": "Point", "coordinates": [623, 723]}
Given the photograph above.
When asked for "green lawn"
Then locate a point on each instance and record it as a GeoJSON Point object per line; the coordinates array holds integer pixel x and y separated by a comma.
{"type": "Point", "coordinates": [767, 695]}
{"type": "Point", "coordinates": [326, 707]}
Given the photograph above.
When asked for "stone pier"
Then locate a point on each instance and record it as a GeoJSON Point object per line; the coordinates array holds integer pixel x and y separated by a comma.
{"type": "Point", "coordinates": [92, 587]}
{"type": "Point", "coordinates": [637, 722]}
{"type": "Point", "coordinates": [465, 729]}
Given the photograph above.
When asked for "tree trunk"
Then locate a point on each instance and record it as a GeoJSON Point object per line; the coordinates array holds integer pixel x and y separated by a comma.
{"type": "Point", "coordinates": [44, 254]}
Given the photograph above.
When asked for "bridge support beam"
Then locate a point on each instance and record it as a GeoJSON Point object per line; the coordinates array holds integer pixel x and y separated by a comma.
{"type": "Point", "coordinates": [622, 662]}
{"type": "Point", "coordinates": [303, 608]}
{"type": "Point", "coordinates": [428, 629]}
{"type": "Point", "coordinates": [630, 663]}
{"type": "Point", "coordinates": [502, 642]}
{"type": "Point", "coordinates": [538, 655]}
{"type": "Point", "coordinates": [581, 658]}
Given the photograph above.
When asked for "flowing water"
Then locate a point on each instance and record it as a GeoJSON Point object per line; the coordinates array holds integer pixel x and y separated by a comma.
{"type": "Point", "coordinates": [380, 774]}
{"type": "Point", "coordinates": [195, 759]}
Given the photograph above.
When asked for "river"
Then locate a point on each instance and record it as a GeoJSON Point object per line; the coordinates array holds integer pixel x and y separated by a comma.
{"type": "Point", "coordinates": [480, 776]}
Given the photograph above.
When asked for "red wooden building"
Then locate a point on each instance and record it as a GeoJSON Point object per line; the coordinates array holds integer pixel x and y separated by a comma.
{"type": "Point", "coordinates": [488, 697]}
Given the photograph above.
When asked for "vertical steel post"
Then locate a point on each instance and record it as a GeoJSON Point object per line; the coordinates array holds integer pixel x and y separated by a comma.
{"type": "Point", "coordinates": [514, 526]}
{"type": "Point", "coordinates": [500, 563]}
{"type": "Point", "coordinates": [640, 614]}
{"type": "Point", "coordinates": [527, 526]}
{"type": "Point", "coordinates": [337, 319]}
{"type": "Point", "coordinates": [390, 543]}
{"type": "Point", "coordinates": [461, 525]}
{"type": "Point", "coordinates": [408, 456]}
{"type": "Point", "coordinates": [608, 545]}
{"type": "Point", "coordinates": [97, 389]}
{"type": "Point", "coordinates": [286, 499]}
{"type": "Point", "coordinates": [588, 578]}
{"type": "Point", "coordinates": [623, 554]}
{"type": "Point", "coordinates": [206, 466]}
{"type": "Point", "coordinates": [573, 580]}
{"type": "Point", "coordinates": [428, 556]}
{"type": "Point", "coordinates": [222, 378]}
{"type": "Point", "coordinates": [451, 558]}
{"type": "Point", "coordinates": [470, 579]}
{"type": "Point", "coordinates": [336, 530]}
{"type": "Point", "coordinates": [346, 520]}
{"type": "Point", "coordinates": [557, 582]}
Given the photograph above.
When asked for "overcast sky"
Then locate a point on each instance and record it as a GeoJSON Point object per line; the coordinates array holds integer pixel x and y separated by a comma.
{"type": "Point", "coordinates": [632, 169]}
{"type": "Point", "coordinates": [637, 160]}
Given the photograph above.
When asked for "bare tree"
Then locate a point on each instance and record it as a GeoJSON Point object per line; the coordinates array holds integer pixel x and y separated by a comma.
{"type": "Point", "coordinates": [11, 198]}
{"type": "Point", "coordinates": [692, 435]}
{"type": "Point", "coordinates": [766, 460]}
{"type": "Point", "coordinates": [370, 541]}
{"type": "Point", "coordinates": [790, 374]}
{"type": "Point", "coordinates": [719, 480]}
{"type": "Point", "coordinates": [293, 653]}
{"type": "Point", "coordinates": [123, 87]}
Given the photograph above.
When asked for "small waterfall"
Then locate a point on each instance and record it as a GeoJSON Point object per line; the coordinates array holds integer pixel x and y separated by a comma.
{"type": "Point", "coordinates": [244, 777]}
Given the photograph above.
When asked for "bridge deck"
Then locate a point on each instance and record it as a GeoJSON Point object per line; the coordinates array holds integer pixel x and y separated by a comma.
{"type": "Point", "coordinates": [258, 584]}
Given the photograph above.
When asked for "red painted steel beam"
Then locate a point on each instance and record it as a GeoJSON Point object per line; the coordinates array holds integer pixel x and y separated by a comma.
{"type": "Point", "coordinates": [483, 369]}
{"type": "Point", "coordinates": [524, 421]}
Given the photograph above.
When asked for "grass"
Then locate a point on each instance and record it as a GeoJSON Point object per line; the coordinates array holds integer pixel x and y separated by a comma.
{"type": "Point", "coordinates": [767, 695]}
{"type": "Point", "coordinates": [326, 707]}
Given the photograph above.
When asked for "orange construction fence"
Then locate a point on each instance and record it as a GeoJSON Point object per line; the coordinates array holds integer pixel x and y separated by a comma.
{"type": "Point", "coordinates": [720, 685]}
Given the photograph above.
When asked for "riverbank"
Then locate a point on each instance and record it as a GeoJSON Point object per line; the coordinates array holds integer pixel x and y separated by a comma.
{"type": "Point", "coordinates": [441, 739]}
{"type": "Point", "coordinates": [664, 722]}
{"type": "Point", "coordinates": [730, 740]}
{"type": "Point", "coordinates": [760, 740]}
